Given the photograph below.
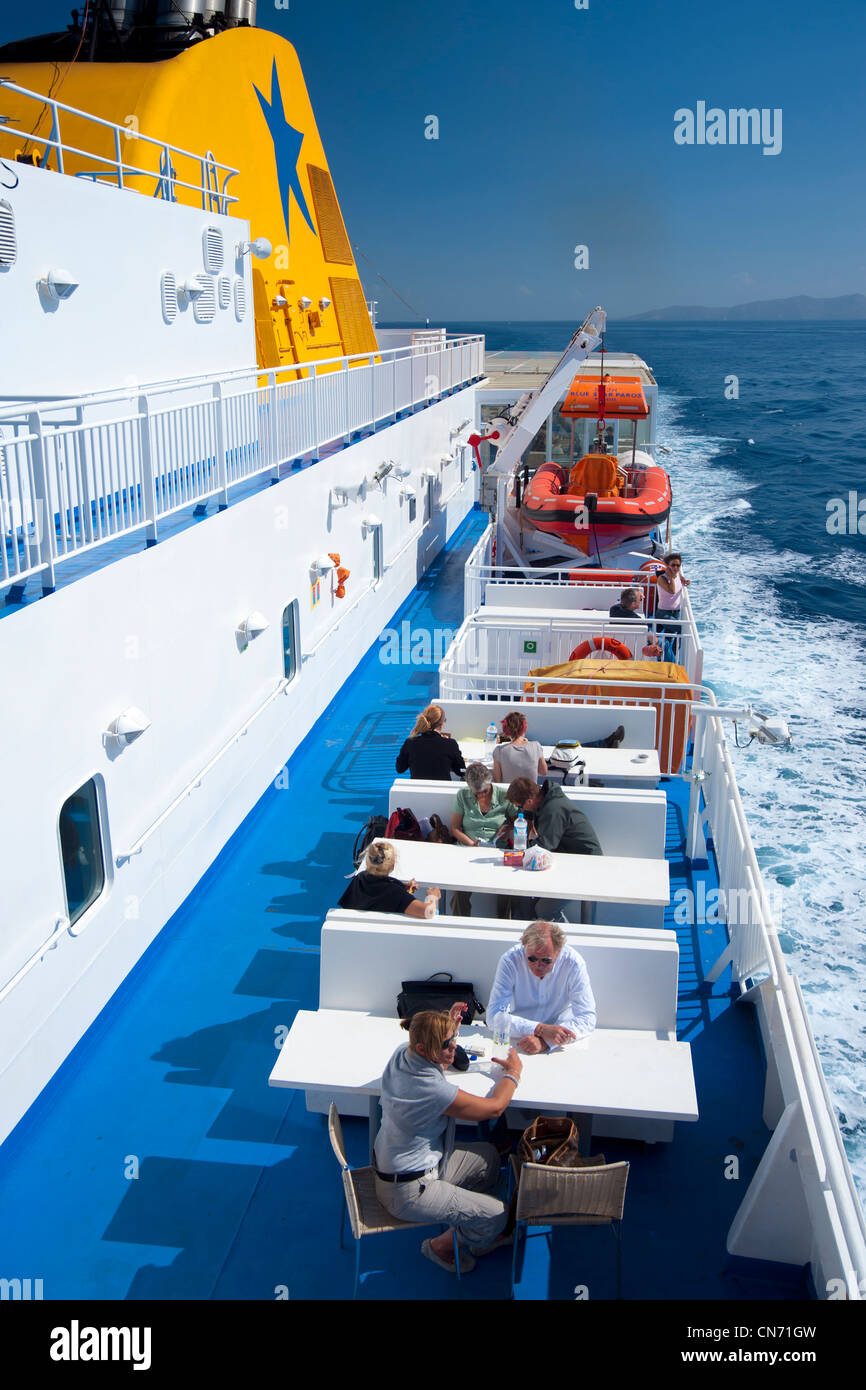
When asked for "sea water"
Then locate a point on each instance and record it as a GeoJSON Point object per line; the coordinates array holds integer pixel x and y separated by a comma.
{"type": "Point", "coordinates": [766, 424]}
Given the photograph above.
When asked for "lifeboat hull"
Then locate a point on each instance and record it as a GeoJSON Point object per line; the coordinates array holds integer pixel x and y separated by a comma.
{"type": "Point", "coordinates": [547, 507]}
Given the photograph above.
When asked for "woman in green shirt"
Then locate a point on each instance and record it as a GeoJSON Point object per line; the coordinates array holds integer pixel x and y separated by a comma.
{"type": "Point", "coordinates": [482, 813]}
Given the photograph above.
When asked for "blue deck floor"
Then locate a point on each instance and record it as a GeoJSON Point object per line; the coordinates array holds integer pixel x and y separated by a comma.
{"type": "Point", "coordinates": [237, 1192]}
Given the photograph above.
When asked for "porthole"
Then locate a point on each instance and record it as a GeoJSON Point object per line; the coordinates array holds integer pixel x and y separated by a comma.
{"type": "Point", "coordinates": [291, 640]}
{"type": "Point", "coordinates": [81, 850]}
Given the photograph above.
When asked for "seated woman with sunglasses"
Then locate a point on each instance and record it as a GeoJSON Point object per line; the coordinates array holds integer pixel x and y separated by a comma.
{"type": "Point", "coordinates": [546, 985]}
{"type": "Point", "coordinates": [420, 1174]}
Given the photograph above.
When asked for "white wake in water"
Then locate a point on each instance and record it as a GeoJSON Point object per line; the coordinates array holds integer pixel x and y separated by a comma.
{"type": "Point", "coordinates": [806, 805]}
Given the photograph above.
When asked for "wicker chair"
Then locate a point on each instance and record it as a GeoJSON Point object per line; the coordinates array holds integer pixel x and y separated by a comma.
{"type": "Point", "coordinates": [592, 1195]}
{"type": "Point", "coordinates": [367, 1216]}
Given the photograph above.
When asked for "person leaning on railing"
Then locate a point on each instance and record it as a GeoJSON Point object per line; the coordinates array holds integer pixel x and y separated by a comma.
{"type": "Point", "coordinates": [429, 752]}
{"type": "Point", "coordinates": [420, 1174]}
{"type": "Point", "coordinates": [669, 597]}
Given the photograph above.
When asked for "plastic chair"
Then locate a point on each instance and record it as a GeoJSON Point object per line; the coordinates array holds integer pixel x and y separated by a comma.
{"type": "Point", "coordinates": [593, 1195]}
{"type": "Point", "coordinates": [367, 1216]}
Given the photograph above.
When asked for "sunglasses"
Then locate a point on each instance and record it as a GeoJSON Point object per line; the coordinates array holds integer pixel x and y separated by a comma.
{"type": "Point", "coordinates": [449, 1042]}
{"type": "Point", "coordinates": [540, 960]}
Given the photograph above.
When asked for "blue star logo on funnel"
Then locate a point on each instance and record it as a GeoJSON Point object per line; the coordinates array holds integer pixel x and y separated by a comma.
{"type": "Point", "coordinates": [287, 148]}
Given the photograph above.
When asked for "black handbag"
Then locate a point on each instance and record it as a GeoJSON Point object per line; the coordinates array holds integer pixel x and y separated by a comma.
{"type": "Point", "coordinates": [438, 994]}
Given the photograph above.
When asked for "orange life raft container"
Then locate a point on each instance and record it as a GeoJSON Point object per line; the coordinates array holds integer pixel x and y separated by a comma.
{"type": "Point", "coordinates": [600, 680]}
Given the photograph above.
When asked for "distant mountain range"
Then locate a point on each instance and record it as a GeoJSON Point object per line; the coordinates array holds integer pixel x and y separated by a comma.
{"type": "Point", "coordinates": [801, 306]}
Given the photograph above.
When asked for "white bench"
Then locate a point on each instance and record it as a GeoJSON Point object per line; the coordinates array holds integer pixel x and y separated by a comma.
{"type": "Point", "coordinates": [550, 722]}
{"type": "Point", "coordinates": [366, 956]}
{"type": "Point", "coordinates": [627, 823]}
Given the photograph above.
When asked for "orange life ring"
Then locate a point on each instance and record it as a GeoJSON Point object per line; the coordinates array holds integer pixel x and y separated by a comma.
{"type": "Point", "coordinates": [607, 644]}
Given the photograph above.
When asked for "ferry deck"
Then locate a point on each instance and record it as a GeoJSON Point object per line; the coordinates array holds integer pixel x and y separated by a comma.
{"type": "Point", "coordinates": [158, 1163]}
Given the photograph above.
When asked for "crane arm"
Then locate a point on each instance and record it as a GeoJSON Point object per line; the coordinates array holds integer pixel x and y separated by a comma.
{"type": "Point", "coordinates": [526, 417]}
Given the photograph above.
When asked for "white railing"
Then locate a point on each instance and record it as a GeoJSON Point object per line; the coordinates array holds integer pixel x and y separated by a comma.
{"type": "Point", "coordinates": [477, 568]}
{"type": "Point", "coordinates": [74, 474]}
{"type": "Point", "coordinates": [208, 178]}
{"type": "Point", "coordinates": [495, 656]}
{"type": "Point", "coordinates": [812, 1140]}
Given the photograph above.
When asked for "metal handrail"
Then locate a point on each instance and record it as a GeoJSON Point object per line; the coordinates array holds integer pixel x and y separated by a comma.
{"type": "Point", "coordinates": [248, 374]}
{"type": "Point", "coordinates": [50, 471]}
{"type": "Point", "coordinates": [196, 781]}
{"type": "Point", "coordinates": [55, 143]}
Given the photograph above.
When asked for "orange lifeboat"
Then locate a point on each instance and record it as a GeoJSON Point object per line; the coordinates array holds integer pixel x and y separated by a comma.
{"type": "Point", "coordinates": [628, 504]}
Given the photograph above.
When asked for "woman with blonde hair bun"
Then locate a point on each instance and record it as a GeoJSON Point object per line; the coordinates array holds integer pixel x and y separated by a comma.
{"type": "Point", "coordinates": [429, 752]}
{"type": "Point", "coordinates": [374, 890]}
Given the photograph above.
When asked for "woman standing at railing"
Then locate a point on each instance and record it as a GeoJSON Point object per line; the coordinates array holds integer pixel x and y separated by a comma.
{"type": "Point", "coordinates": [429, 752]}
{"type": "Point", "coordinates": [669, 598]}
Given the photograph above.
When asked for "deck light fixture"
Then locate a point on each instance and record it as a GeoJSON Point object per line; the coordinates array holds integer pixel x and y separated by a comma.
{"type": "Point", "coordinates": [304, 303]}
{"type": "Point", "coordinates": [252, 627]}
{"type": "Point", "coordinates": [58, 284]}
{"type": "Point", "coordinates": [370, 522]}
{"type": "Point", "coordinates": [323, 564]}
{"type": "Point", "coordinates": [129, 725]}
{"type": "Point", "coordinates": [193, 289]}
{"type": "Point", "coordinates": [259, 247]}
{"type": "Point", "coordinates": [324, 304]}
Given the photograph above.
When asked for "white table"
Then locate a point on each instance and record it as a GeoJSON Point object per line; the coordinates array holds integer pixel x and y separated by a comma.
{"type": "Point", "coordinates": [604, 878]}
{"type": "Point", "coordinates": [615, 767]}
{"type": "Point", "coordinates": [612, 1072]}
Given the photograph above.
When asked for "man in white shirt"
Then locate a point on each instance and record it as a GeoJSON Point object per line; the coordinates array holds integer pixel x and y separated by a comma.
{"type": "Point", "coordinates": [546, 985]}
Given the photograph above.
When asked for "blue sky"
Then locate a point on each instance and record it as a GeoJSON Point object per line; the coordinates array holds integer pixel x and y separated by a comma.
{"type": "Point", "coordinates": [556, 130]}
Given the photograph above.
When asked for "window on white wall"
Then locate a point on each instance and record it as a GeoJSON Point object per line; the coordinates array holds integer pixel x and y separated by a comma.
{"type": "Point", "coordinates": [291, 640]}
{"type": "Point", "coordinates": [81, 850]}
{"type": "Point", "coordinates": [378, 554]}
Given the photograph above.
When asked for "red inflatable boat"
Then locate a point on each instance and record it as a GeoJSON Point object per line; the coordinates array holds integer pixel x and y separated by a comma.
{"type": "Point", "coordinates": [624, 503]}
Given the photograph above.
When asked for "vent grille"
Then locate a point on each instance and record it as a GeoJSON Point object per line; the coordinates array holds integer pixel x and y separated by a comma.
{"type": "Point", "coordinates": [332, 230]}
{"type": "Point", "coordinates": [240, 297]}
{"type": "Point", "coordinates": [212, 239]}
{"type": "Point", "coordinates": [204, 307]}
{"type": "Point", "coordinates": [168, 288]}
{"type": "Point", "coordinates": [353, 320]}
{"type": "Point", "coordinates": [224, 291]}
{"type": "Point", "coordinates": [8, 239]}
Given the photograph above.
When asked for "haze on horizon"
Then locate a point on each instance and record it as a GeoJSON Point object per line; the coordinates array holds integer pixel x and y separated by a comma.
{"type": "Point", "coordinates": [556, 130]}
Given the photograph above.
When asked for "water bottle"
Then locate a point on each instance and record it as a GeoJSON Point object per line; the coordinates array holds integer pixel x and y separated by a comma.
{"type": "Point", "coordinates": [520, 834]}
{"type": "Point", "coordinates": [502, 1032]}
{"type": "Point", "coordinates": [490, 738]}
{"type": "Point", "coordinates": [431, 905]}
